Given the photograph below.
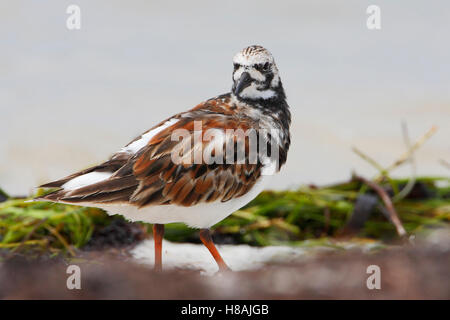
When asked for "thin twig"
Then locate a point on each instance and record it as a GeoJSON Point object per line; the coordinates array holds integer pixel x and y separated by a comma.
{"type": "Point", "coordinates": [387, 202]}
{"type": "Point", "coordinates": [61, 239]}
{"type": "Point", "coordinates": [27, 237]}
{"type": "Point", "coordinates": [29, 242]}
{"type": "Point", "coordinates": [370, 160]}
{"type": "Point", "coordinates": [412, 181]}
{"type": "Point", "coordinates": [406, 155]}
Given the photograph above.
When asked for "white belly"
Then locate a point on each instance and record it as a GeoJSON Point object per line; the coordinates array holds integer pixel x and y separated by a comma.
{"type": "Point", "coordinates": [203, 215]}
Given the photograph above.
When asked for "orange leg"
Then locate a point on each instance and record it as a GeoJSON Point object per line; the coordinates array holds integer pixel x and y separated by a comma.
{"type": "Point", "coordinates": [158, 232]}
{"type": "Point", "coordinates": [205, 236]}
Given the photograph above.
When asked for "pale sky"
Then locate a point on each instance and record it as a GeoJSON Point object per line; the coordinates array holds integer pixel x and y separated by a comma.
{"type": "Point", "coordinates": [69, 99]}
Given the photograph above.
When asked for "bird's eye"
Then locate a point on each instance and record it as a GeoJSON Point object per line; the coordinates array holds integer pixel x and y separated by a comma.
{"type": "Point", "coordinates": [263, 67]}
{"type": "Point", "coordinates": [236, 66]}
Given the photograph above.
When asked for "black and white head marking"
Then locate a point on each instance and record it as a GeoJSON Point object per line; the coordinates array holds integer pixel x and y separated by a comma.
{"type": "Point", "coordinates": [255, 76]}
{"type": "Point", "coordinates": [257, 84]}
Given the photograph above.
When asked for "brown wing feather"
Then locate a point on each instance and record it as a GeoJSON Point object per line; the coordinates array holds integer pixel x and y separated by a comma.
{"type": "Point", "coordinates": [150, 177]}
{"type": "Point", "coordinates": [189, 184]}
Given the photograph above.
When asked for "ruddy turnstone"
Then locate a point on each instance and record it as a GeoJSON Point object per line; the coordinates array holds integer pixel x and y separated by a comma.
{"type": "Point", "coordinates": [198, 166]}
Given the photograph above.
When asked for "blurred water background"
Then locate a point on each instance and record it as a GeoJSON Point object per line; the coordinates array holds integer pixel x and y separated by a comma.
{"type": "Point", "coordinates": [68, 99]}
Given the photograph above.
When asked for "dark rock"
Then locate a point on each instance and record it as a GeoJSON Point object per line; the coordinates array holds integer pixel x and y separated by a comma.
{"type": "Point", "coordinates": [119, 233]}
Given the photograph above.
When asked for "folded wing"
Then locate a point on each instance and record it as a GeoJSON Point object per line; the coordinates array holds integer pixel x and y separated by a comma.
{"type": "Point", "coordinates": [149, 175]}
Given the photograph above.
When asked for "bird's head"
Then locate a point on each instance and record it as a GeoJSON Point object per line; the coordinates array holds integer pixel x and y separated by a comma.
{"type": "Point", "coordinates": [255, 75]}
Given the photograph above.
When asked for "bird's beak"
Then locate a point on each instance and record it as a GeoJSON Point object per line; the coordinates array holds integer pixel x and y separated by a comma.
{"type": "Point", "coordinates": [243, 82]}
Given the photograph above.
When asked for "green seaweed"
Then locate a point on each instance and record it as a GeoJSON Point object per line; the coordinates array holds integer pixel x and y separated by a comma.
{"type": "Point", "coordinates": [300, 217]}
